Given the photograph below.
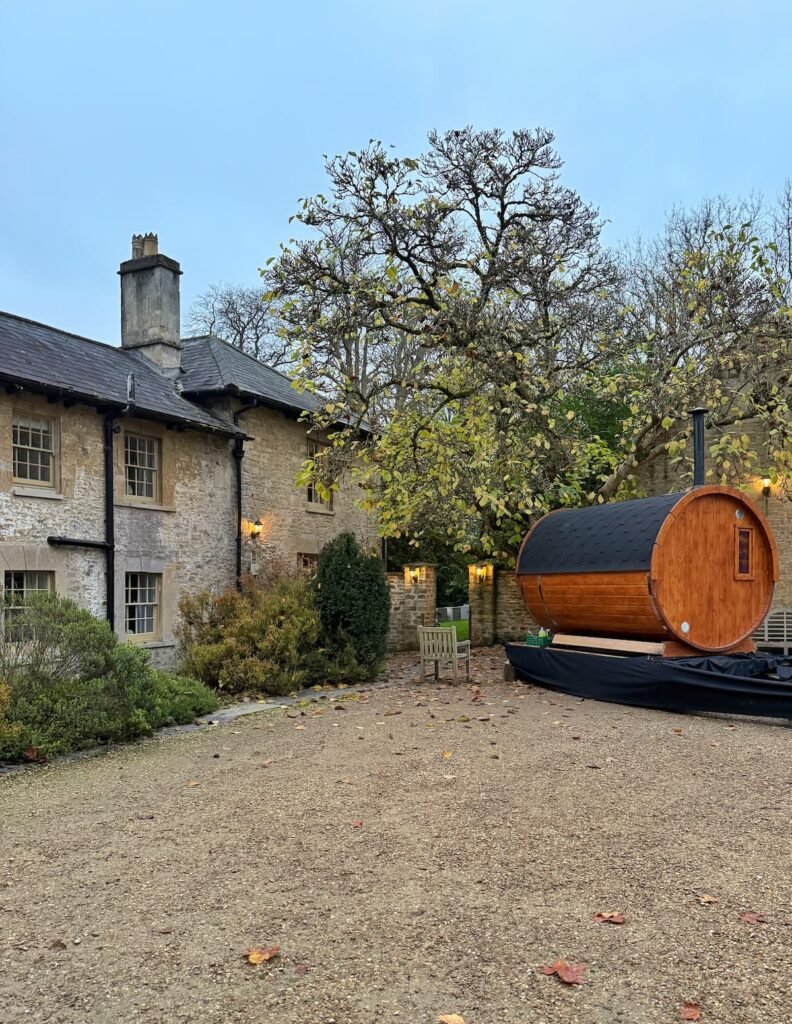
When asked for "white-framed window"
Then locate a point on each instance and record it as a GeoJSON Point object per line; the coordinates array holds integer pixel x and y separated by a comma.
{"type": "Point", "coordinates": [141, 467]}
{"type": "Point", "coordinates": [142, 604]}
{"type": "Point", "coordinates": [33, 450]}
{"type": "Point", "coordinates": [314, 497]}
{"type": "Point", "coordinates": [308, 563]}
{"type": "Point", "coordinates": [18, 586]}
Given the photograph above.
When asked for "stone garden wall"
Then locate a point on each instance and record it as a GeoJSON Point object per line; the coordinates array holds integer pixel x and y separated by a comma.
{"type": "Point", "coordinates": [497, 612]}
{"type": "Point", "coordinates": [413, 594]}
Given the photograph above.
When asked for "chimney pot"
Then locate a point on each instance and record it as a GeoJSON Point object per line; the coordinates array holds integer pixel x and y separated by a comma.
{"type": "Point", "coordinates": [150, 244]}
{"type": "Point", "coordinates": [137, 247]}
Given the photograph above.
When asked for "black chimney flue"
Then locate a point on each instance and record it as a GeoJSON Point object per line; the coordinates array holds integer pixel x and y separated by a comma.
{"type": "Point", "coordinates": [698, 446]}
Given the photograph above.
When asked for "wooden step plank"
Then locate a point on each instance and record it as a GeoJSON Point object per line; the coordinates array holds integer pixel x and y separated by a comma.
{"type": "Point", "coordinates": [604, 643]}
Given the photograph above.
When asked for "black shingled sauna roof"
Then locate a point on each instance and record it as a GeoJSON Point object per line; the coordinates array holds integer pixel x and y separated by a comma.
{"type": "Point", "coordinates": [617, 537]}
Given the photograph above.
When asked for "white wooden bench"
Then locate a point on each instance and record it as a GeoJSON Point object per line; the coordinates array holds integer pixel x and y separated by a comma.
{"type": "Point", "coordinates": [439, 643]}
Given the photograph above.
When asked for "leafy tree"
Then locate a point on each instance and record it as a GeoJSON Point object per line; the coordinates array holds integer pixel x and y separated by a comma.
{"type": "Point", "coordinates": [543, 369]}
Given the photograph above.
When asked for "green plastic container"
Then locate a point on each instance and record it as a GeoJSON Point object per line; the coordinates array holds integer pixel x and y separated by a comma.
{"type": "Point", "coordinates": [537, 641]}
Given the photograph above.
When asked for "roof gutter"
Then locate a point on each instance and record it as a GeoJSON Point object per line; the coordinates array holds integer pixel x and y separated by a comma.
{"type": "Point", "coordinates": [72, 397]}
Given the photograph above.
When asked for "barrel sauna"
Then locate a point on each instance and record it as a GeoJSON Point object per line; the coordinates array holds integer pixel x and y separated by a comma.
{"type": "Point", "coordinates": [698, 568]}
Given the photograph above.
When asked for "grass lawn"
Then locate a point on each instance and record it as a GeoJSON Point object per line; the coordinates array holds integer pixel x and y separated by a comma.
{"type": "Point", "coordinates": [462, 627]}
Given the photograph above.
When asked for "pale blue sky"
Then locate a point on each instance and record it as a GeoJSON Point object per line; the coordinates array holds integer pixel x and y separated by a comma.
{"type": "Point", "coordinates": [206, 121]}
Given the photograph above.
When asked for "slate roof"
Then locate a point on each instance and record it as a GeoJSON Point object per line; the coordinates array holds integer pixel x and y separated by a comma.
{"type": "Point", "coordinates": [603, 538]}
{"type": "Point", "coordinates": [211, 365]}
{"type": "Point", "coordinates": [38, 356]}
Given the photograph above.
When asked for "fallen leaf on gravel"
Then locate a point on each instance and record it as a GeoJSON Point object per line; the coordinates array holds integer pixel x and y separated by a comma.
{"type": "Point", "coordinates": [690, 1011]}
{"type": "Point", "coordinates": [751, 918]}
{"type": "Point", "coordinates": [299, 727]}
{"type": "Point", "coordinates": [267, 763]}
{"type": "Point", "coordinates": [449, 778]}
{"type": "Point", "coordinates": [31, 754]}
{"type": "Point", "coordinates": [570, 974]}
{"type": "Point", "coordinates": [301, 970]}
{"type": "Point", "coordinates": [257, 955]}
{"type": "Point", "coordinates": [608, 917]}
{"type": "Point", "coordinates": [706, 898]}
{"type": "Point", "coordinates": [677, 732]}
{"type": "Point", "coordinates": [597, 766]}
{"type": "Point", "coordinates": [447, 754]}
{"type": "Point", "coordinates": [193, 782]}
{"type": "Point", "coordinates": [58, 944]}
{"type": "Point", "coordinates": [450, 1018]}
{"type": "Point", "coordinates": [358, 823]}
{"type": "Point", "coordinates": [575, 737]}
{"type": "Point", "coordinates": [463, 718]}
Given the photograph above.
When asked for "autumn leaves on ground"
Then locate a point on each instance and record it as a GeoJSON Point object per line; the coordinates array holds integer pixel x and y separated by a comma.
{"type": "Point", "coordinates": [416, 853]}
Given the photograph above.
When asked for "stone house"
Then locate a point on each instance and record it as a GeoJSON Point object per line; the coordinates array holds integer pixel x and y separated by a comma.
{"type": "Point", "coordinates": [132, 475]}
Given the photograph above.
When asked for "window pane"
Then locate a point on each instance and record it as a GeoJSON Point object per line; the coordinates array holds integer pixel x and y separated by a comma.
{"type": "Point", "coordinates": [18, 587]}
{"type": "Point", "coordinates": [140, 466]}
{"type": "Point", "coordinates": [744, 552]}
{"type": "Point", "coordinates": [141, 592]}
{"type": "Point", "coordinates": [33, 453]}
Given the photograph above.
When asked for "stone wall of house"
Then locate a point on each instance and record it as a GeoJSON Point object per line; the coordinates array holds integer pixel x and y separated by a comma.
{"type": "Point", "coordinates": [291, 525]}
{"type": "Point", "coordinates": [497, 611]}
{"type": "Point", "coordinates": [413, 596]}
{"type": "Point", "coordinates": [186, 535]}
{"type": "Point", "coordinates": [71, 507]}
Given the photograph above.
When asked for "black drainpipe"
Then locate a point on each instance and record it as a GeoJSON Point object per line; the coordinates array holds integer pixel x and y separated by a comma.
{"type": "Point", "coordinates": [239, 454]}
{"type": "Point", "coordinates": [109, 425]}
{"type": "Point", "coordinates": [108, 544]}
{"type": "Point", "coordinates": [699, 474]}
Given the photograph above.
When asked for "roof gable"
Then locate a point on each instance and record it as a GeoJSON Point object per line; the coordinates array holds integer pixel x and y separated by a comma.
{"type": "Point", "coordinates": [45, 358]}
{"type": "Point", "coordinates": [213, 366]}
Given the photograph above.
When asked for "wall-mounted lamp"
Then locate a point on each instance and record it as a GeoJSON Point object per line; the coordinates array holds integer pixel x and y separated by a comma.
{"type": "Point", "coordinates": [255, 529]}
{"type": "Point", "coordinates": [414, 574]}
{"type": "Point", "coordinates": [766, 486]}
{"type": "Point", "coordinates": [481, 572]}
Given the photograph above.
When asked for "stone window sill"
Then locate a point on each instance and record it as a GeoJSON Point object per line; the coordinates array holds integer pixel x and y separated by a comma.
{"type": "Point", "coordinates": [149, 644]}
{"type": "Point", "coordinates": [36, 492]}
{"type": "Point", "coordinates": [318, 510]}
{"type": "Point", "coordinates": [143, 505]}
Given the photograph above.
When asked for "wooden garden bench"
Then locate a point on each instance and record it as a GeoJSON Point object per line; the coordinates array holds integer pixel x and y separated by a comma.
{"type": "Point", "coordinates": [439, 643]}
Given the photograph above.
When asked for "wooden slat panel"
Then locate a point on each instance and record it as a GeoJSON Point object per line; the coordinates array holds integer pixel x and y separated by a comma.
{"type": "Point", "coordinates": [694, 571]}
{"type": "Point", "coordinates": [612, 603]}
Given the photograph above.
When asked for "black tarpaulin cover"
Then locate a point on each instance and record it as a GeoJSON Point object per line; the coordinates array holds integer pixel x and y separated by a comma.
{"type": "Point", "coordinates": [729, 684]}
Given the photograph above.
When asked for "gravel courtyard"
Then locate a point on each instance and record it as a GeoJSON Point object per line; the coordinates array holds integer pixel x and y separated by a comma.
{"type": "Point", "coordinates": [419, 851]}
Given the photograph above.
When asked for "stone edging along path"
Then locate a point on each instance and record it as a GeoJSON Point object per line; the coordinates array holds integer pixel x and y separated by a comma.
{"type": "Point", "coordinates": [223, 716]}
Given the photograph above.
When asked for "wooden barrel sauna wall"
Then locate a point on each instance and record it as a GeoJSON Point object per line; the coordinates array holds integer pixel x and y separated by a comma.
{"type": "Point", "coordinates": [698, 567]}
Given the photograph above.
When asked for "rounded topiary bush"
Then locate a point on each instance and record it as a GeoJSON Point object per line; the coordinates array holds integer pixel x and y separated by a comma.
{"type": "Point", "coordinates": [353, 599]}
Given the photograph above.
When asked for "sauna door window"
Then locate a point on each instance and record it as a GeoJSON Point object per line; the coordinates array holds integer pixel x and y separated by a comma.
{"type": "Point", "coordinates": [743, 553]}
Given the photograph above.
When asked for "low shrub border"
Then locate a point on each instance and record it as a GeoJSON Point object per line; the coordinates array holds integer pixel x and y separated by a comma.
{"type": "Point", "coordinates": [67, 683]}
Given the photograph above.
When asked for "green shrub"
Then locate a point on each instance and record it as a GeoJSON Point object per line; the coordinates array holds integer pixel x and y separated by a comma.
{"type": "Point", "coordinates": [269, 637]}
{"type": "Point", "coordinates": [263, 640]}
{"type": "Point", "coordinates": [354, 600]}
{"type": "Point", "coordinates": [71, 684]}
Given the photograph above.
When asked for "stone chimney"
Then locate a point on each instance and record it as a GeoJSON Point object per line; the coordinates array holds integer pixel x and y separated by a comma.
{"type": "Point", "coordinates": [150, 303]}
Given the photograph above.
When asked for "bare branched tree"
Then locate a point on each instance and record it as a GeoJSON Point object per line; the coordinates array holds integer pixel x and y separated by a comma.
{"type": "Point", "coordinates": [242, 317]}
